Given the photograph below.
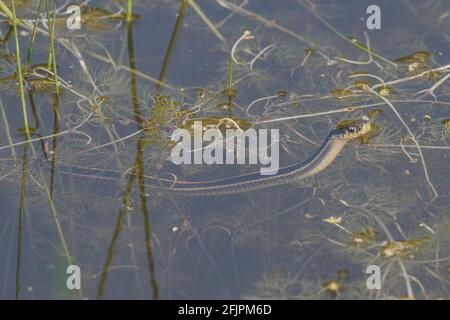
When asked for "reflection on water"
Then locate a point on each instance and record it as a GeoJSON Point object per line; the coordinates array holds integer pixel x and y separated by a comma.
{"type": "Point", "coordinates": [303, 68]}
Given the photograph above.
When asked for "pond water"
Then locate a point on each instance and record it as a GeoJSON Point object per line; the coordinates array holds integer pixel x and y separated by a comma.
{"type": "Point", "coordinates": [80, 193]}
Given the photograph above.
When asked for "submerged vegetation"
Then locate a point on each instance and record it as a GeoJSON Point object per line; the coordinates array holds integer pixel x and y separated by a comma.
{"type": "Point", "coordinates": [109, 95]}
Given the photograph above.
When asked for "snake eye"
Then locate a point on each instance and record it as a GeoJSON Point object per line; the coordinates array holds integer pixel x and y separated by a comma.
{"type": "Point", "coordinates": [351, 129]}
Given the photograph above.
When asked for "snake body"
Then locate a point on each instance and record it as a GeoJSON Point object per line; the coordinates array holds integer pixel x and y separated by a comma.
{"type": "Point", "coordinates": [321, 159]}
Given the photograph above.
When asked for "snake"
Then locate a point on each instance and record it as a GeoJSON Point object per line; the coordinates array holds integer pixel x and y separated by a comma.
{"type": "Point", "coordinates": [317, 162]}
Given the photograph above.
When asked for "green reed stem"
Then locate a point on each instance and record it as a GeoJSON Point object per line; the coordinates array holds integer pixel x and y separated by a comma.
{"type": "Point", "coordinates": [19, 72]}
{"type": "Point", "coordinates": [129, 11]}
{"type": "Point", "coordinates": [7, 11]}
{"type": "Point", "coordinates": [171, 46]}
{"type": "Point", "coordinates": [115, 238]}
{"type": "Point", "coordinates": [12, 16]}
{"type": "Point", "coordinates": [146, 219]}
{"type": "Point", "coordinates": [20, 222]}
{"type": "Point", "coordinates": [33, 37]}
{"type": "Point", "coordinates": [206, 20]}
{"type": "Point", "coordinates": [52, 49]}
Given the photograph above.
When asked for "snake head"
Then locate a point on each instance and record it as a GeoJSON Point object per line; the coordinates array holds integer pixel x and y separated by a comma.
{"type": "Point", "coordinates": [351, 129]}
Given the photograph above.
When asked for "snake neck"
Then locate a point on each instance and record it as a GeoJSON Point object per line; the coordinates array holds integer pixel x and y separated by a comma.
{"type": "Point", "coordinates": [324, 157]}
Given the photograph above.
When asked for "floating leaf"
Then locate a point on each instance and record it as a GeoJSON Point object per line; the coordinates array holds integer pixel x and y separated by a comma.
{"type": "Point", "coordinates": [385, 91]}
{"type": "Point", "coordinates": [446, 122]}
{"type": "Point", "coordinates": [402, 248]}
{"type": "Point", "coordinates": [341, 93]}
{"type": "Point", "coordinates": [220, 123]}
{"type": "Point", "coordinates": [333, 220]}
{"type": "Point", "coordinates": [362, 84]}
{"type": "Point", "coordinates": [415, 62]}
{"type": "Point", "coordinates": [419, 56]}
{"type": "Point", "coordinates": [364, 238]}
{"type": "Point", "coordinates": [334, 287]}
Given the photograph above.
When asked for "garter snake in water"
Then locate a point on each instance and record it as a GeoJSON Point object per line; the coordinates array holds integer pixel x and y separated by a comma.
{"type": "Point", "coordinates": [321, 159]}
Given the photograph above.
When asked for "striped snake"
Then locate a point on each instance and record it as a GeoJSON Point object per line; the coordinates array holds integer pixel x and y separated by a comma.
{"type": "Point", "coordinates": [321, 159]}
